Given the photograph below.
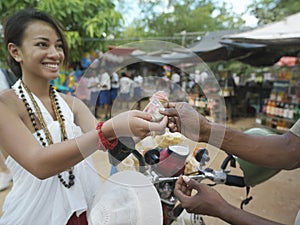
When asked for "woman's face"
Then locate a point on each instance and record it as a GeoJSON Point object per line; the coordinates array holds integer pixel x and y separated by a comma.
{"type": "Point", "coordinates": [41, 53]}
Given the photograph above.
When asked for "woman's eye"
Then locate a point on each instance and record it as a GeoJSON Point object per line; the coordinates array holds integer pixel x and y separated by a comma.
{"type": "Point", "coordinates": [41, 44]}
{"type": "Point", "coordinates": [60, 46]}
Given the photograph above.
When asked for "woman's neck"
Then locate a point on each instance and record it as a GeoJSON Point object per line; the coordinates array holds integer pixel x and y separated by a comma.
{"type": "Point", "coordinates": [39, 87]}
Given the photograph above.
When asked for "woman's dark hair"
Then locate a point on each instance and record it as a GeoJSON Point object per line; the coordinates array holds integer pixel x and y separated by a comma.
{"type": "Point", "coordinates": [15, 27]}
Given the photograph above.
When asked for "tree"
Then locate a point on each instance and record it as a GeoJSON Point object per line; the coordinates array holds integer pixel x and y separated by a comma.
{"type": "Point", "coordinates": [268, 11]}
{"type": "Point", "coordinates": [166, 20]}
{"type": "Point", "coordinates": [85, 22]}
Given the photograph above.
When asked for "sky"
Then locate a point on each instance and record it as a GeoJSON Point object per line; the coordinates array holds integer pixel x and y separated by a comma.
{"type": "Point", "coordinates": [238, 6]}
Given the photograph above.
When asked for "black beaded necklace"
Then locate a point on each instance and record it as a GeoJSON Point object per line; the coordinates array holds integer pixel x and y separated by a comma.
{"type": "Point", "coordinates": [60, 118]}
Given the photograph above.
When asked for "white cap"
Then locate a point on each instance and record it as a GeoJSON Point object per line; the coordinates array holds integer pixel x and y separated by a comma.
{"type": "Point", "coordinates": [126, 198]}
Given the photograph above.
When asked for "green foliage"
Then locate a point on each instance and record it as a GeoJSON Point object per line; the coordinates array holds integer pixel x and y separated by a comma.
{"type": "Point", "coordinates": [85, 22]}
{"type": "Point", "coordinates": [178, 16]}
{"type": "Point", "coordinates": [268, 11]}
{"type": "Point", "coordinates": [289, 6]}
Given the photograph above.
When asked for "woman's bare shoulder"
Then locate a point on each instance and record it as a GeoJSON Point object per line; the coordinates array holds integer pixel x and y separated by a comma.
{"type": "Point", "coordinates": [8, 97]}
{"type": "Point", "coordinates": [10, 103]}
{"type": "Point", "coordinates": [70, 99]}
{"type": "Point", "coordinates": [82, 114]}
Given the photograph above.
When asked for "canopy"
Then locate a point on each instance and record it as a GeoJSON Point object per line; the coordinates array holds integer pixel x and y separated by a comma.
{"type": "Point", "coordinates": [265, 45]}
{"type": "Point", "coordinates": [287, 30]}
{"type": "Point", "coordinates": [262, 46]}
{"type": "Point", "coordinates": [209, 48]}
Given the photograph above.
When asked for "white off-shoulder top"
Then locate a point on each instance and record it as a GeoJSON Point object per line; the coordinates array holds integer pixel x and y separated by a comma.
{"type": "Point", "coordinates": [32, 201]}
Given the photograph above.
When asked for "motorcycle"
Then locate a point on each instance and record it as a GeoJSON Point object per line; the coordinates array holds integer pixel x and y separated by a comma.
{"type": "Point", "coordinates": [164, 165]}
{"type": "Point", "coordinates": [165, 184]}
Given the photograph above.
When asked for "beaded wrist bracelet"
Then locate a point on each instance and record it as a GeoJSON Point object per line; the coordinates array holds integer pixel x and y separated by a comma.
{"type": "Point", "coordinates": [103, 142]}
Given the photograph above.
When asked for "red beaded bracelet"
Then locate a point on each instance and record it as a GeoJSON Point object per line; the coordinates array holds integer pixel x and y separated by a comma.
{"type": "Point", "coordinates": [103, 142]}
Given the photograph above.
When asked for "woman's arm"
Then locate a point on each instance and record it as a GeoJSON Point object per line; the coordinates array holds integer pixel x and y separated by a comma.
{"type": "Point", "coordinates": [17, 140]}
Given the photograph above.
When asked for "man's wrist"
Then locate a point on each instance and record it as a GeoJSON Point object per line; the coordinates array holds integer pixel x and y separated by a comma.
{"type": "Point", "coordinates": [205, 130]}
{"type": "Point", "coordinates": [226, 212]}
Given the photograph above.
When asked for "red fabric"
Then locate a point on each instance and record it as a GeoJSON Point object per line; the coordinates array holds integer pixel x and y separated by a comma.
{"type": "Point", "coordinates": [81, 220]}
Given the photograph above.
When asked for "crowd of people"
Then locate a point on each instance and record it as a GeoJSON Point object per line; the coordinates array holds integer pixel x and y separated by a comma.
{"type": "Point", "coordinates": [99, 90]}
{"type": "Point", "coordinates": [54, 179]}
{"type": "Point", "coordinates": [89, 83]}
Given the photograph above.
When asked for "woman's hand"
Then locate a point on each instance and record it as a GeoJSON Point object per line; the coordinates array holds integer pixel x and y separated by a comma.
{"type": "Point", "coordinates": [133, 123]}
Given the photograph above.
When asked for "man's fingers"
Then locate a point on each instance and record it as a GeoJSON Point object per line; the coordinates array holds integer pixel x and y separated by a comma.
{"type": "Point", "coordinates": [172, 105]}
{"type": "Point", "coordinates": [181, 190]}
{"type": "Point", "coordinates": [169, 112]}
{"type": "Point", "coordinates": [169, 105]}
{"type": "Point", "coordinates": [192, 184]}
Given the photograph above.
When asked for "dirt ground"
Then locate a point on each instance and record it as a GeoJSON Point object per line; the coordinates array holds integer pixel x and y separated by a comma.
{"type": "Point", "coordinates": [277, 199]}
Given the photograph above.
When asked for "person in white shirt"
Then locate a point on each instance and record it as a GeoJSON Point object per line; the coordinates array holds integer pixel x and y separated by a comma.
{"type": "Point", "coordinates": [93, 85]}
{"type": "Point", "coordinates": [125, 89]}
{"type": "Point", "coordinates": [7, 79]}
{"type": "Point", "coordinates": [104, 99]}
{"type": "Point", "coordinates": [3, 82]}
{"type": "Point", "coordinates": [137, 89]}
{"type": "Point", "coordinates": [115, 85]}
{"type": "Point", "coordinates": [175, 82]}
{"type": "Point", "coordinates": [197, 77]}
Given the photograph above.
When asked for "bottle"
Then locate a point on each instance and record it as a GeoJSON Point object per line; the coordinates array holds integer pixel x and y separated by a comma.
{"type": "Point", "coordinates": [291, 111]}
{"type": "Point", "coordinates": [274, 123]}
{"type": "Point", "coordinates": [297, 112]}
{"type": "Point", "coordinates": [273, 108]}
{"type": "Point", "coordinates": [279, 125]}
{"type": "Point", "coordinates": [277, 109]}
{"type": "Point", "coordinates": [268, 108]}
{"type": "Point", "coordinates": [264, 107]}
{"type": "Point", "coordinates": [281, 109]}
{"type": "Point", "coordinates": [286, 110]}
{"type": "Point", "coordinates": [273, 95]}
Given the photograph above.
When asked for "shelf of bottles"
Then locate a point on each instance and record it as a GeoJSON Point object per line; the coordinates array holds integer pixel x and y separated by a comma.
{"type": "Point", "coordinates": [282, 109]}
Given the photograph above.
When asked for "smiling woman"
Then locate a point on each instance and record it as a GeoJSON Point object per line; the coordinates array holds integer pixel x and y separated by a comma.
{"type": "Point", "coordinates": [49, 136]}
{"type": "Point", "coordinates": [43, 53]}
{"type": "Point", "coordinates": [37, 39]}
